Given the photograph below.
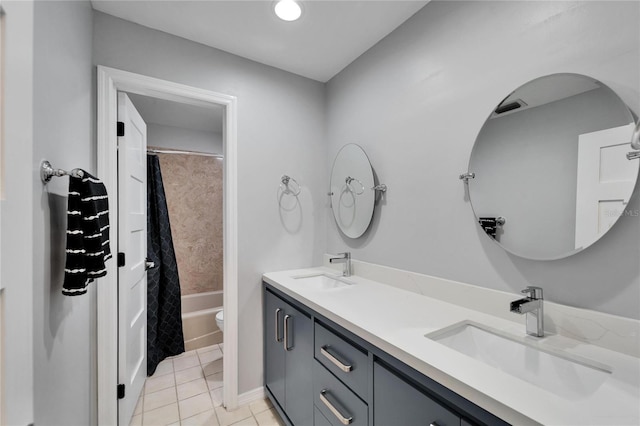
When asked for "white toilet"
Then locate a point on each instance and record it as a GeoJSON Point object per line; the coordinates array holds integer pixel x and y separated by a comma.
{"type": "Point", "coordinates": [220, 320]}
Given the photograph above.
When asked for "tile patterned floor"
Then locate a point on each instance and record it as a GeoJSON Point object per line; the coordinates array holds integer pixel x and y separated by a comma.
{"type": "Point", "coordinates": [186, 390]}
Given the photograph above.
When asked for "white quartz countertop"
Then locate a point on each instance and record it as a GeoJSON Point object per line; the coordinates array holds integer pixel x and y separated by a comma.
{"type": "Point", "coordinates": [396, 321]}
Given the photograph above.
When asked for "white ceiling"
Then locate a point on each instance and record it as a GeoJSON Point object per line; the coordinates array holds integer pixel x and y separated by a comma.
{"type": "Point", "coordinates": [328, 37]}
{"type": "Point", "coordinates": [168, 113]}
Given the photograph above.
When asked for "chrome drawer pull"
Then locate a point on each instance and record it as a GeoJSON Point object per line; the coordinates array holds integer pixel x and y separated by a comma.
{"type": "Point", "coordinates": [344, 420]}
{"type": "Point", "coordinates": [278, 338]}
{"type": "Point", "coordinates": [324, 350]}
{"type": "Point", "coordinates": [286, 332]}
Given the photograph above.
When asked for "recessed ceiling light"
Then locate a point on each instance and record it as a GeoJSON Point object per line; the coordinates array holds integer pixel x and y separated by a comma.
{"type": "Point", "coordinates": [288, 10]}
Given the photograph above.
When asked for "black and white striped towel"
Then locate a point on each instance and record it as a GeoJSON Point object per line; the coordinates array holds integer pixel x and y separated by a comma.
{"type": "Point", "coordinates": [87, 234]}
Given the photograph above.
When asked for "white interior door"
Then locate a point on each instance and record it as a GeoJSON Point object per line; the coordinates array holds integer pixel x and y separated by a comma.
{"type": "Point", "coordinates": [132, 241]}
{"type": "Point", "coordinates": [605, 181]}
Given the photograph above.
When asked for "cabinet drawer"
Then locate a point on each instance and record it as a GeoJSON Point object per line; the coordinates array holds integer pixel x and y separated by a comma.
{"type": "Point", "coordinates": [343, 359]}
{"type": "Point", "coordinates": [397, 402]}
{"type": "Point", "coordinates": [335, 401]}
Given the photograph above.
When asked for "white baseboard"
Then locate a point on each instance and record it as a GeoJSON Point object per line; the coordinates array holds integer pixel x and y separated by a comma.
{"type": "Point", "coordinates": [252, 395]}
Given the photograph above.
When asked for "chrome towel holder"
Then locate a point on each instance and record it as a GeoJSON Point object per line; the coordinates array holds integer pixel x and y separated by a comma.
{"type": "Point", "coordinates": [466, 176]}
{"type": "Point", "coordinates": [47, 172]}
{"type": "Point", "coordinates": [285, 182]}
{"type": "Point", "coordinates": [349, 180]}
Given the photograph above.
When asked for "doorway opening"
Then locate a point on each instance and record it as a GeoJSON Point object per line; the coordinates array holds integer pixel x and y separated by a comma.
{"type": "Point", "coordinates": [184, 356]}
{"type": "Point", "coordinates": [110, 83]}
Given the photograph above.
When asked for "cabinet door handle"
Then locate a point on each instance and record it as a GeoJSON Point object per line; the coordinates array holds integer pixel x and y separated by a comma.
{"type": "Point", "coordinates": [286, 332]}
{"type": "Point", "coordinates": [277, 323]}
{"type": "Point", "coordinates": [324, 350]}
{"type": "Point", "coordinates": [343, 419]}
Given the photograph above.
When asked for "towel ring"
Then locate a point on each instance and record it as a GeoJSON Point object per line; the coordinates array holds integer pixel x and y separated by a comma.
{"type": "Point", "coordinates": [349, 180]}
{"type": "Point", "coordinates": [285, 182]}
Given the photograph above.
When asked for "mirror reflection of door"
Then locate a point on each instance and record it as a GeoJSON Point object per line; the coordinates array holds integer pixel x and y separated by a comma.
{"type": "Point", "coordinates": [605, 180]}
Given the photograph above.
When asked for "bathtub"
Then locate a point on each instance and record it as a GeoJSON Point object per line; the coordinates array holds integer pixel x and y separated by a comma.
{"type": "Point", "coordinates": [199, 319]}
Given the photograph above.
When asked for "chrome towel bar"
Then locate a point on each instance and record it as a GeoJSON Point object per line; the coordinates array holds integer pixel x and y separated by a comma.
{"type": "Point", "coordinates": [47, 172]}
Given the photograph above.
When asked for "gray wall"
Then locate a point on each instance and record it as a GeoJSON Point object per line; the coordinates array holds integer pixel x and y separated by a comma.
{"type": "Point", "coordinates": [526, 166]}
{"type": "Point", "coordinates": [173, 137]}
{"type": "Point", "coordinates": [64, 327]}
{"type": "Point", "coordinates": [17, 208]}
{"type": "Point", "coordinates": [280, 131]}
{"type": "Point", "coordinates": [416, 102]}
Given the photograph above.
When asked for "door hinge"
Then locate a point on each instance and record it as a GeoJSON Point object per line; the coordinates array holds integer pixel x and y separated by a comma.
{"type": "Point", "coordinates": [120, 391]}
{"type": "Point", "coordinates": [121, 260]}
{"type": "Point", "coordinates": [120, 128]}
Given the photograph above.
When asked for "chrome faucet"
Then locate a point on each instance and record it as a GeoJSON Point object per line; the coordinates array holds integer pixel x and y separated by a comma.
{"type": "Point", "coordinates": [343, 258]}
{"type": "Point", "coordinates": [532, 306]}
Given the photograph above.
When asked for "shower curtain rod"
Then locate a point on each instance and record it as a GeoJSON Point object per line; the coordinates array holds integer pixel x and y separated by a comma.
{"type": "Point", "coordinates": [177, 151]}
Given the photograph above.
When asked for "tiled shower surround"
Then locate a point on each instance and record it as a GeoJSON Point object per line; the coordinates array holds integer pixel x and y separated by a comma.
{"type": "Point", "coordinates": [193, 186]}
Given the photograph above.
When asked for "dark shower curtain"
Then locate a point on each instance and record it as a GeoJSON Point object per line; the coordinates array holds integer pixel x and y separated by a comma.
{"type": "Point", "coordinates": [164, 311]}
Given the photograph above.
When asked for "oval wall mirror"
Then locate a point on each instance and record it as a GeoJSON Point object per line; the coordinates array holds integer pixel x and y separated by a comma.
{"type": "Point", "coordinates": [352, 194]}
{"type": "Point", "coordinates": [551, 173]}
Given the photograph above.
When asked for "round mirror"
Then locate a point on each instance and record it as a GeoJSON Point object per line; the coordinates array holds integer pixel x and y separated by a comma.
{"type": "Point", "coordinates": [551, 173]}
{"type": "Point", "coordinates": [352, 194]}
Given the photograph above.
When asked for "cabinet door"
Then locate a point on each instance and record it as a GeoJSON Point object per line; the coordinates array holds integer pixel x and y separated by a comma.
{"type": "Point", "coordinates": [274, 365]}
{"type": "Point", "coordinates": [396, 402]}
{"type": "Point", "coordinates": [299, 362]}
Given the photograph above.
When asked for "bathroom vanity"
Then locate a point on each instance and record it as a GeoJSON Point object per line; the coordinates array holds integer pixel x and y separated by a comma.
{"type": "Point", "coordinates": [319, 373]}
{"type": "Point", "coordinates": [341, 351]}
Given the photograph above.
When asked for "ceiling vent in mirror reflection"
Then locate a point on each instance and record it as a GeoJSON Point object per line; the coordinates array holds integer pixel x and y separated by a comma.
{"type": "Point", "coordinates": [555, 166]}
{"type": "Point", "coordinates": [511, 106]}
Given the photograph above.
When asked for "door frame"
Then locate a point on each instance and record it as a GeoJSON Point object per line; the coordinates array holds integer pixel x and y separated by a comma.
{"type": "Point", "coordinates": [110, 82]}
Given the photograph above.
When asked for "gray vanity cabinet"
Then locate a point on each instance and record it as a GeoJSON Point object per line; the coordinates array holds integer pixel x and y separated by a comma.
{"type": "Point", "coordinates": [349, 381]}
{"type": "Point", "coordinates": [289, 358]}
{"type": "Point", "coordinates": [397, 402]}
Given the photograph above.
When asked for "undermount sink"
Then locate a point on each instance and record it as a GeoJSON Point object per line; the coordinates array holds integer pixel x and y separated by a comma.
{"type": "Point", "coordinates": [323, 281]}
{"type": "Point", "coordinates": [565, 375]}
